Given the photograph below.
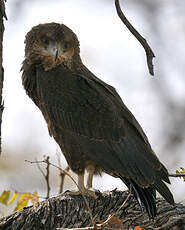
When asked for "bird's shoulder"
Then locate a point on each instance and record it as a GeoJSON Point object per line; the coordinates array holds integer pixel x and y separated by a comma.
{"type": "Point", "coordinates": [121, 109]}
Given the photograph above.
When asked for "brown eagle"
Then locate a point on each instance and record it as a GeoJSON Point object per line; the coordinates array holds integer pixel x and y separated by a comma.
{"type": "Point", "coordinates": [87, 118]}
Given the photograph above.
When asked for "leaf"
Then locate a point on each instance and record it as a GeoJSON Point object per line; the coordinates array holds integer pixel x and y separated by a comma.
{"type": "Point", "coordinates": [23, 201]}
{"type": "Point", "coordinates": [14, 196]}
{"type": "Point", "coordinates": [181, 172]}
{"type": "Point", "coordinates": [35, 198]}
{"type": "Point", "coordinates": [138, 228]}
{"type": "Point", "coordinates": [114, 223]}
{"type": "Point", "coordinates": [4, 197]}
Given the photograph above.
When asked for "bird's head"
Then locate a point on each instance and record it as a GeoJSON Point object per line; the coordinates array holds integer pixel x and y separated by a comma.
{"type": "Point", "coordinates": [50, 45]}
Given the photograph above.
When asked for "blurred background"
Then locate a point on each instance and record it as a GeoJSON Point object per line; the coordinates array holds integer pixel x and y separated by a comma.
{"type": "Point", "coordinates": [111, 52]}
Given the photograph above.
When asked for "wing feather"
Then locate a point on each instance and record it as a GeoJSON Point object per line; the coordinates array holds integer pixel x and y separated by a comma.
{"type": "Point", "coordinates": [78, 105]}
{"type": "Point", "coordinates": [89, 110]}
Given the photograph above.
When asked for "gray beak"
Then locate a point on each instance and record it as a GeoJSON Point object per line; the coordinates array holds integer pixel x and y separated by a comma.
{"type": "Point", "coordinates": [56, 54]}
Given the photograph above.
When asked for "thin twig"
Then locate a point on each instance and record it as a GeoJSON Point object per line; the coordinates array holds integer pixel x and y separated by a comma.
{"type": "Point", "coordinates": [61, 173]}
{"type": "Point", "coordinates": [46, 176]}
{"type": "Point", "coordinates": [86, 202]}
{"type": "Point", "coordinates": [86, 228]}
{"type": "Point", "coordinates": [177, 175]}
{"type": "Point", "coordinates": [149, 53]}
{"type": "Point", "coordinates": [39, 168]}
{"type": "Point", "coordinates": [62, 178]}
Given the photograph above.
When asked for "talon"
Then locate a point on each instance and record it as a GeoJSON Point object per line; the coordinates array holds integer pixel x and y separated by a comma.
{"type": "Point", "coordinates": [86, 192]}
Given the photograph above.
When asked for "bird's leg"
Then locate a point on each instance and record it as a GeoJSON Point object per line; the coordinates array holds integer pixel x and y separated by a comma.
{"type": "Point", "coordinates": [86, 191]}
{"type": "Point", "coordinates": [90, 177]}
{"type": "Point", "coordinates": [91, 171]}
{"type": "Point", "coordinates": [82, 189]}
{"type": "Point", "coordinates": [81, 186]}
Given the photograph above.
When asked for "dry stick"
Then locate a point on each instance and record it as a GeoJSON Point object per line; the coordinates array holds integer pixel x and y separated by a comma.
{"type": "Point", "coordinates": [62, 177]}
{"type": "Point", "coordinates": [61, 173]}
{"type": "Point", "coordinates": [177, 175]}
{"type": "Point", "coordinates": [86, 202]}
{"type": "Point", "coordinates": [86, 228]}
{"type": "Point", "coordinates": [149, 53]}
{"type": "Point", "coordinates": [46, 176]}
{"type": "Point", "coordinates": [2, 16]}
{"type": "Point", "coordinates": [38, 166]}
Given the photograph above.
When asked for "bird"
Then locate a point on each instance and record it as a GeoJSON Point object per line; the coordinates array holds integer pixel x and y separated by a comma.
{"type": "Point", "coordinates": [95, 130]}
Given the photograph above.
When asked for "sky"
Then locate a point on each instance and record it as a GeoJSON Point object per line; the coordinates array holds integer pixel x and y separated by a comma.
{"type": "Point", "coordinates": [109, 51]}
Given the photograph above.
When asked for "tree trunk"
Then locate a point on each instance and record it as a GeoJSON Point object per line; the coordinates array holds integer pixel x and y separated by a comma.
{"type": "Point", "coordinates": [69, 211]}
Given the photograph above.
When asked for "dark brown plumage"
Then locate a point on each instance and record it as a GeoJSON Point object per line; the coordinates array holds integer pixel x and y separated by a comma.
{"type": "Point", "coordinates": [94, 129]}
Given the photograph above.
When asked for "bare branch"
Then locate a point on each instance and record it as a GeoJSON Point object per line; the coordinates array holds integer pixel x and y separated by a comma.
{"type": "Point", "coordinates": [61, 173]}
{"type": "Point", "coordinates": [177, 175]}
{"type": "Point", "coordinates": [149, 53]}
{"type": "Point", "coordinates": [2, 9]}
{"type": "Point", "coordinates": [39, 168]}
{"type": "Point", "coordinates": [62, 178]}
{"type": "Point", "coordinates": [46, 176]}
{"type": "Point", "coordinates": [2, 16]}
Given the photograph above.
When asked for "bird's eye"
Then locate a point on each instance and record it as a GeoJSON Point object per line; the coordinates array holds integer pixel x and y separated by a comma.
{"type": "Point", "coordinates": [45, 41]}
{"type": "Point", "coordinates": [66, 45]}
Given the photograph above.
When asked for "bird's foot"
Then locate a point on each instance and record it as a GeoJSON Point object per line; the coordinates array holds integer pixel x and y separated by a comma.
{"type": "Point", "coordinates": [86, 192]}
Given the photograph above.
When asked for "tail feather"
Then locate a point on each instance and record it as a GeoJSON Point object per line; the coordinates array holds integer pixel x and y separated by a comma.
{"type": "Point", "coordinates": [163, 174]}
{"type": "Point", "coordinates": [145, 196]}
{"type": "Point", "coordinates": [164, 191]}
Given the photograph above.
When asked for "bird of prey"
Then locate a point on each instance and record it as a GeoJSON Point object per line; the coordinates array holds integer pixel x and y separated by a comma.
{"type": "Point", "coordinates": [94, 129]}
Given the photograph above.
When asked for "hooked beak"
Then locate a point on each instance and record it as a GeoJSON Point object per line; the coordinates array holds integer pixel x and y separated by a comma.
{"type": "Point", "coordinates": [55, 49]}
{"type": "Point", "coordinates": [56, 55]}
